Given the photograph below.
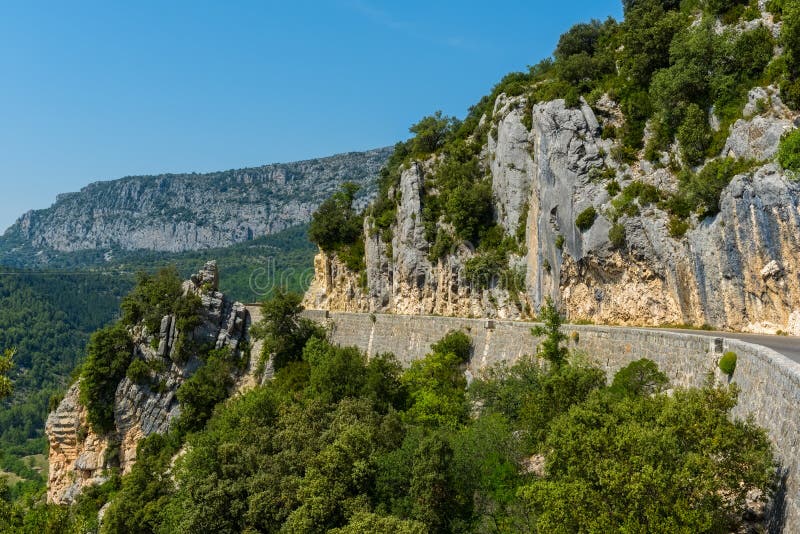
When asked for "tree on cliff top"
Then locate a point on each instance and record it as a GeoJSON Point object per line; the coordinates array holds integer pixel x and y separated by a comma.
{"type": "Point", "coordinates": [336, 224]}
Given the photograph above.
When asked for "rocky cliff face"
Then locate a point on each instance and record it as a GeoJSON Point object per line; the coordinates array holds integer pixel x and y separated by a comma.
{"type": "Point", "coordinates": [737, 270]}
{"type": "Point", "coordinates": [80, 457]}
{"type": "Point", "coordinates": [179, 212]}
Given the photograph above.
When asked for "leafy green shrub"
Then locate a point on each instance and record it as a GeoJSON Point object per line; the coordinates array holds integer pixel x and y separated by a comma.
{"type": "Point", "coordinates": [284, 332]}
{"type": "Point", "coordinates": [109, 354]}
{"type": "Point", "coordinates": [727, 363]}
{"type": "Point", "coordinates": [790, 38]}
{"type": "Point", "coordinates": [789, 151]}
{"type": "Point", "coordinates": [138, 371]}
{"type": "Point", "coordinates": [455, 342]}
{"type": "Point", "coordinates": [586, 218]}
{"type": "Point", "coordinates": [559, 242]}
{"type": "Point", "coordinates": [483, 270]}
{"type": "Point", "coordinates": [469, 208]}
{"type": "Point", "coordinates": [207, 387]}
{"type": "Point", "coordinates": [335, 372]}
{"type": "Point", "coordinates": [431, 132]}
{"type": "Point", "coordinates": [442, 246]}
{"type": "Point", "coordinates": [624, 154]}
{"type": "Point", "coordinates": [693, 134]}
{"type": "Point", "coordinates": [436, 387]}
{"type": "Point", "coordinates": [613, 188]}
{"type": "Point", "coordinates": [677, 227]}
{"type": "Point", "coordinates": [703, 190]}
{"type": "Point", "coordinates": [609, 132]}
{"type": "Point", "coordinates": [551, 348]}
{"type": "Point", "coordinates": [626, 203]}
{"type": "Point", "coordinates": [335, 223]}
{"type": "Point", "coordinates": [639, 378]}
{"type": "Point", "coordinates": [153, 297]}
{"type": "Point", "coordinates": [616, 234]}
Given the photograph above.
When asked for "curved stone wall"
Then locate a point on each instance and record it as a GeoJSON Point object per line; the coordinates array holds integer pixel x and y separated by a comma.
{"type": "Point", "coordinates": [769, 382]}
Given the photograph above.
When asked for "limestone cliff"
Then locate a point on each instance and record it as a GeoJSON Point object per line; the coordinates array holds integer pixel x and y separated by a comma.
{"type": "Point", "coordinates": [180, 212]}
{"type": "Point", "coordinates": [80, 457]}
{"type": "Point", "coordinates": [739, 269]}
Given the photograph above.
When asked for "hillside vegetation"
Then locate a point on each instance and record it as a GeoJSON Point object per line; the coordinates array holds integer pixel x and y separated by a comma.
{"type": "Point", "coordinates": [48, 318]}
{"type": "Point", "coordinates": [339, 443]}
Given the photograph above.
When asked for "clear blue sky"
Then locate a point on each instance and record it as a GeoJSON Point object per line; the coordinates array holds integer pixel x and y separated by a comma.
{"type": "Point", "coordinates": [96, 90]}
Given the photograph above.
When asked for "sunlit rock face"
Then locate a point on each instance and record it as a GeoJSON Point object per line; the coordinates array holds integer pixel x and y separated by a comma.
{"type": "Point", "coordinates": [739, 269]}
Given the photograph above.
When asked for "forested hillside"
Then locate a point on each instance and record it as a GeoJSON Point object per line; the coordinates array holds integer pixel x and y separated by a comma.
{"type": "Point", "coordinates": [48, 317]}
{"type": "Point", "coordinates": [249, 270]}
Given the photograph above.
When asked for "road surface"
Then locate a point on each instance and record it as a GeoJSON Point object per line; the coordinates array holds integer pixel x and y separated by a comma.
{"type": "Point", "coordinates": [787, 345]}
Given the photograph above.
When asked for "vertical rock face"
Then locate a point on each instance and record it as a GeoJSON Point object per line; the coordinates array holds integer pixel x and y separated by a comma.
{"type": "Point", "coordinates": [737, 270]}
{"type": "Point", "coordinates": [512, 164]}
{"type": "Point", "coordinates": [80, 457]}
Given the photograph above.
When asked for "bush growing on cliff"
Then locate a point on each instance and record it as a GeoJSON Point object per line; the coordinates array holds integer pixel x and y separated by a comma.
{"type": "Point", "coordinates": [789, 151]}
{"type": "Point", "coordinates": [207, 387]}
{"type": "Point", "coordinates": [431, 132]}
{"type": "Point", "coordinates": [702, 190]}
{"type": "Point", "coordinates": [153, 297]}
{"type": "Point", "coordinates": [335, 223]}
{"type": "Point", "coordinates": [586, 218]}
{"type": "Point", "coordinates": [108, 356]}
{"type": "Point", "coordinates": [616, 235]}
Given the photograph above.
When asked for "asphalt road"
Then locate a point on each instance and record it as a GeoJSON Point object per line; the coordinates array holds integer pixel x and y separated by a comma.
{"type": "Point", "coordinates": [787, 345]}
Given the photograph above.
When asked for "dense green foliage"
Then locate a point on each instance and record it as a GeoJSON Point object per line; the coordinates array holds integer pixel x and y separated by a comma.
{"type": "Point", "coordinates": [284, 332]}
{"type": "Point", "coordinates": [6, 365]}
{"type": "Point", "coordinates": [108, 356]}
{"type": "Point", "coordinates": [48, 317]}
{"type": "Point", "coordinates": [727, 363]}
{"type": "Point", "coordinates": [336, 227]}
{"type": "Point", "coordinates": [552, 347]}
{"type": "Point", "coordinates": [789, 151]}
{"type": "Point", "coordinates": [336, 442]}
{"type": "Point", "coordinates": [586, 218]}
{"type": "Point", "coordinates": [208, 386]}
{"type": "Point", "coordinates": [633, 464]}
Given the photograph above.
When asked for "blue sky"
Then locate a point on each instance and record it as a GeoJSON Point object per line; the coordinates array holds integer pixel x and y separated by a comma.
{"type": "Point", "coordinates": [96, 90]}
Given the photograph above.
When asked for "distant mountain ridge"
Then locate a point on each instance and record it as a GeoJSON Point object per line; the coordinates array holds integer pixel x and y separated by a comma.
{"type": "Point", "coordinates": [184, 212]}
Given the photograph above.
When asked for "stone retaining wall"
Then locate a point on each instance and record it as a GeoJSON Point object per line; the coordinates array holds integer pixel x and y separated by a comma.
{"type": "Point", "coordinates": [769, 382]}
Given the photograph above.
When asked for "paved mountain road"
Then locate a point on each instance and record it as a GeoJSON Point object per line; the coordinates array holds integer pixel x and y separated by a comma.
{"type": "Point", "coordinates": [787, 345]}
